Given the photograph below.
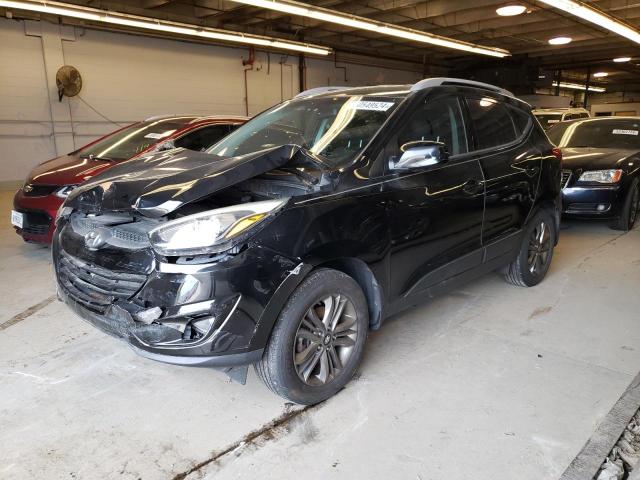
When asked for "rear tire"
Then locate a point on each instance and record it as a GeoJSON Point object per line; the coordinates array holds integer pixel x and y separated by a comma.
{"type": "Point", "coordinates": [318, 340]}
{"type": "Point", "coordinates": [630, 209]}
{"type": "Point", "coordinates": [536, 251]}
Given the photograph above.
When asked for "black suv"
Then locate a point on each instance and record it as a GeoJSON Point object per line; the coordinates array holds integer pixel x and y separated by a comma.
{"type": "Point", "coordinates": [309, 225]}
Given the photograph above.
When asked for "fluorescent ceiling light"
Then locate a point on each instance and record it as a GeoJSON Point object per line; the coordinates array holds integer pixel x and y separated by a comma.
{"type": "Point", "coordinates": [511, 10]}
{"type": "Point", "coordinates": [560, 40]}
{"type": "Point", "coordinates": [146, 23]}
{"type": "Point", "coordinates": [622, 59]}
{"type": "Point", "coordinates": [600, 74]}
{"type": "Point", "coordinates": [53, 10]}
{"type": "Point", "coordinates": [592, 15]}
{"type": "Point", "coordinates": [362, 23]}
{"type": "Point", "coordinates": [577, 86]}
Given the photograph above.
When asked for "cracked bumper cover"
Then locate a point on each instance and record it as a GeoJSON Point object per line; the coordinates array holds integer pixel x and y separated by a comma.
{"type": "Point", "coordinates": [242, 294]}
{"type": "Point", "coordinates": [124, 327]}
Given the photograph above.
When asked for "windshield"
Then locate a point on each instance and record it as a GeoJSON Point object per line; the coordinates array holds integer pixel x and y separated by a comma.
{"type": "Point", "coordinates": [131, 140]}
{"type": "Point", "coordinates": [335, 129]}
{"type": "Point", "coordinates": [547, 120]}
{"type": "Point", "coordinates": [556, 132]}
{"type": "Point", "coordinates": [609, 133]}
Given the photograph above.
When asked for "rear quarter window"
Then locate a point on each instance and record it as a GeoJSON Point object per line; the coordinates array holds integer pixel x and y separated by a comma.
{"type": "Point", "coordinates": [521, 119]}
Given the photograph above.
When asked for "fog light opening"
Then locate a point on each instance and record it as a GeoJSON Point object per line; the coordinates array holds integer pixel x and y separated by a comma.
{"type": "Point", "coordinates": [203, 325]}
{"type": "Point", "coordinates": [149, 315]}
{"type": "Point", "coordinates": [601, 207]}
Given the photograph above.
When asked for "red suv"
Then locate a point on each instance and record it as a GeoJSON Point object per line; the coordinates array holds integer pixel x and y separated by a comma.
{"type": "Point", "coordinates": [36, 203]}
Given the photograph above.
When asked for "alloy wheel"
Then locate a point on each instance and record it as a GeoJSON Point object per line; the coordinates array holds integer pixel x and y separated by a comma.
{"type": "Point", "coordinates": [539, 248]}
{"type": "Point", "coordinates": [325, 340]}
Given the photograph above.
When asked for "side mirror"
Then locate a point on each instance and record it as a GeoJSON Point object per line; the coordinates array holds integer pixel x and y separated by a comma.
{"type": "Point", "coordinates": [168, 145]}
{"type": "Point", "coordinates": [420, 154]}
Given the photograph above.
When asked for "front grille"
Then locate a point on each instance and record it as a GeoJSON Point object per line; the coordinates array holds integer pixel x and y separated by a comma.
{"type": "Point", "coordinates": [35, 223]}
{"type": "Point", "coordinates": [120, 230]}
{"type": "Point", "coordinates": [36, 190]}
{"type": "Point", "coordinates": [36, 229]}
{"type": "Point", "coordinates": [95, 287]}
{"type": "Point", "coordinates": [566, 176]}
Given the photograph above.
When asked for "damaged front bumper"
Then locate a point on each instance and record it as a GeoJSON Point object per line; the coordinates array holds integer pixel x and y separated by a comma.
{"type": "Point", "coordinates": [118, 323]}
{"type": "Point", "coordinates": [200, 314]}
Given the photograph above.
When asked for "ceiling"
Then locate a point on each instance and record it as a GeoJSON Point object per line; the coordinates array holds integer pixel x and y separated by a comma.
{"type": "Point", "coordinates": [476, 21]}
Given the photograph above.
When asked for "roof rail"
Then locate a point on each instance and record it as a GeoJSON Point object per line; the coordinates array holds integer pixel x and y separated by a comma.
{"type": "Point", "coordinates": [438, 81]}
{"type": "Point", "coordinates": [318, 91]}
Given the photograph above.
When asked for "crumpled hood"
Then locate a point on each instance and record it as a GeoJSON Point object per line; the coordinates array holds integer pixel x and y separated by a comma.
{"type": "Point", "coordinates": [66, 170]}
{"type": "Point", "coordinates": [160, 183]}
{"type": "Point", "coordinates": [587, 158]}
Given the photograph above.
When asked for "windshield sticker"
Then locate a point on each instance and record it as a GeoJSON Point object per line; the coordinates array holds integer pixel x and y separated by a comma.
{"type": "Point", "coordinates": [375, 106]}
{"type": "Point", "coordinates": [159, 135]}
{"type": "Point", "coordinates": [624, 132]}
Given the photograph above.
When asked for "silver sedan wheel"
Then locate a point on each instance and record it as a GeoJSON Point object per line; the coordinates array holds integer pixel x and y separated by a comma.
{"type": "Point", "coordinates": [325, 340]}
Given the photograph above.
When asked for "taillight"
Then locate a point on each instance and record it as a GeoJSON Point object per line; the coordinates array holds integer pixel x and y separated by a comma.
{"type": "Point", "coordinates": [557, 153]}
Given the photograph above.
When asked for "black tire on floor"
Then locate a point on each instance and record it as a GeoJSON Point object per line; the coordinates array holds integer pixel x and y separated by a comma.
{"type": "Point", "coordinates": [278, 370]}
{"type": "Point", "coordinates": [519, 272]}
{"type": "Point", "coordinates": [630, 208]}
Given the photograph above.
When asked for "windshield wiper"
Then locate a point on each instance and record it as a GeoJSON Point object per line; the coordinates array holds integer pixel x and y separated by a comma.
{"type": "Point", "coordinates": [104, 159]}
{"type": "Point", "coordinates": [304, 176]}
{"type": "Point", "coordinates": [309, 155]}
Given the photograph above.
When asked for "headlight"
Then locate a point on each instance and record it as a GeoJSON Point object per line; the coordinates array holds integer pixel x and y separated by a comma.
{"type": "Point", "coordinates": [64, 191]}
{"type": "Point", "coordinates": [601, 176]}
{"type": "Point", "coordinates": [212, 231]}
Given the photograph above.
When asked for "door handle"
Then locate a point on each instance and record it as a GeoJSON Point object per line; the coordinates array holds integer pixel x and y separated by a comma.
{"type": "Point", "coordinates": [473, 187]}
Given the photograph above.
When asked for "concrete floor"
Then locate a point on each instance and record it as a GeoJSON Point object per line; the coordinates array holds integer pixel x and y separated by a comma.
{"type": "Point", "coordinates": [481, 383]}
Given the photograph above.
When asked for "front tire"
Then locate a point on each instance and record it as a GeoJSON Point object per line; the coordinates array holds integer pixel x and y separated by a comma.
{"type": "Point", "coordinates": [536, 252]}
{"type": "Point", "coordinates": [318, 340]}
{"type": "Point", "coordinates": [630, 209]}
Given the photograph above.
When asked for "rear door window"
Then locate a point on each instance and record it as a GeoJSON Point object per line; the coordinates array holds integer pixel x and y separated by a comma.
{"type": "Point", "coordinates": [492, 122]}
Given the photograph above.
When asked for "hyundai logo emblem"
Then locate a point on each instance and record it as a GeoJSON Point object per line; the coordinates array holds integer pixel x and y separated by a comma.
{"type": "Point", "coordinates": [96, 238]}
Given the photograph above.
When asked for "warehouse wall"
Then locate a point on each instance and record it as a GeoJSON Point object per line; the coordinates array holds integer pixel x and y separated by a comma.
{"type": "Point", "coordinates": [624, 109]}
{"type": "Point", "coordinates": [25, 117]}
{"type": "Point", "coordinates": [129, 77]}
{"type": "Point", "coordinates": [614, 97]}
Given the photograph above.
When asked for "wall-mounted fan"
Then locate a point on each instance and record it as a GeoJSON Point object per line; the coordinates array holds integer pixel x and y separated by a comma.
{"type": "Point", "coordinates": [69, 81]}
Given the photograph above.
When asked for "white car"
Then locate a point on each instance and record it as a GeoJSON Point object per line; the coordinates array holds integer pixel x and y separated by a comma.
{"type": "Point", "coordinates": [548, 117]}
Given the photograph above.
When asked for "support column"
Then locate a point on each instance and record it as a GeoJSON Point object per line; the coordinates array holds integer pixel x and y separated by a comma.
{"type": "Point", "coordinates": [52, 36]}
{"type": "Point", "coordinates": [586, 90]}
{"type": "Point", "coordinates": [301, 74]}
